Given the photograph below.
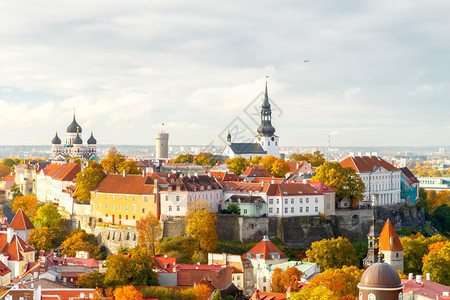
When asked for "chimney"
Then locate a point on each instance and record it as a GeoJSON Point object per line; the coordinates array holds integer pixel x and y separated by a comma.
{"type": "Point", "coordinates": [9, 234]}
{"type": "Point", "coordinates": [428, 277]}
{"type": "Point", "coordinates": [410, 276]}
{"type": "Point", "coordinates": [124, 173]}
{"type": "Point", "coordinates": [419, 278]}
{"type": "Point", "coordinates": [143, 173]}
{"type": "Point", "coordinates": [305, 181]}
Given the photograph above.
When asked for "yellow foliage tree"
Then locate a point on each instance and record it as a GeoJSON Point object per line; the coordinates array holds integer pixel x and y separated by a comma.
{"type": "Point", "coordinates": [150, 231]}
{"type": "Point", "coordinates": [128, 292]}
{"type": "Point", "coordinates": [317, 293]}
{"type": "Point", "coordinates": [40, 239]}
{"type": "Point", "coordinates": [201, 225]}
{"type": "Point", "coordinates": [202, 291]}
{"type": "Point", "coordinates": [437, 263]}
{"type": "Point", "coordinates": [237, 165]}
{"type": "Point", "coordinates": [28, 204]}
{"type": "Point", "coordinates": [333, 253]}
{"type": "Point", "coordinates": [112, 161]}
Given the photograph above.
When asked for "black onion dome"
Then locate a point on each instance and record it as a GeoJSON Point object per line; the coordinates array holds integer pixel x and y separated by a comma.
{"type": "Point", "coordinates": [74, 127]}
{"type": "Point", "coordinates": [56, 140]}
{"type": "Point", "coordinates": [77, 140]}
{"type": "Point", "coordinates": [92, 140]}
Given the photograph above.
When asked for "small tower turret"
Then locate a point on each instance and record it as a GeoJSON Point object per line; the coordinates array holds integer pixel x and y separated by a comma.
{"type": "Point", "coordinates": [266, 132]}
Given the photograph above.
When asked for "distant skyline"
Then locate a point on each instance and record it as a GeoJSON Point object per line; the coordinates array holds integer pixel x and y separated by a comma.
{"type": "Point", "coordinates": [364, 73]}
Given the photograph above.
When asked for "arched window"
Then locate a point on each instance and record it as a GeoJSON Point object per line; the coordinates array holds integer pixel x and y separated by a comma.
{"type": "Point", "coordinates": [371, 296]}
{"type": "Point", "coordinates": [360, 296]}
{"type": "Point", "coordinates": [400, 296]}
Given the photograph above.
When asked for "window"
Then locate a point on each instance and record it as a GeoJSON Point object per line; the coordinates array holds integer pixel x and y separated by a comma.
{"type": "Point", "coordinates": [316, 209]}
{"type": "Point", "coordinates": [278, 201]}
{"type": "Point", "coordinates": [178, 208]}
{"type": "Point", "coordinates": [301, 209]}
{"type": "Point", "coordinates": [113, 207]}
{"type": "Point", "coordinates": [170, 207]}
{"type": "Point", "coordinates": [371, 296]}
{"type": "Point", "coordinates": [106, 205]}
{"type": "Point", "coordinates": [307, 209]}
{"type": "Point", "coordinates": [245, 211]}
{"type": "Point", "coordinates": [307, 200]}
{"type": "Point", "coordinates": [285, 210]}
{"type": "Point", "coordinates": [134, 207]}
{"type": "Point", "coordinates": [134, 198]}
{"type": "Point", "coordinates": [143, 210]}
{"type": "Point", "coordinates": [167, 198]}
{"type": "Point", "coordinates": [98, 205]}
{"type": "Point", "coordinates": [278, 210]}
{"type": "Point", "coordinates": [400, 296]}
{"type": "Point", "coordinates": [270, 210]}
{"type": "Point", "coordinates": [177, 198]}
{"type": "Point", "coordinates": [145, 199]}
{"type": "Point", "coordinates": [286, 201]}
{"type": "Point", "coordinates": [360, 296]}
{"type": "Point", "coordinates": [106, 196]}
{"type": "Point", "coordinates": [292, 201]}
{"type": "Point", "coordinates": [120, 207]}
{"type": "Point", "coordinates": [317, 200]}
{"type": "Point", "coordinates": [292, 210]}
{"type": "Point", "coordinates": [301, 200]}
{"type": "Point", "coordinates": [270, 201]}
{"type": "Point", "coordinates": [264, 279]}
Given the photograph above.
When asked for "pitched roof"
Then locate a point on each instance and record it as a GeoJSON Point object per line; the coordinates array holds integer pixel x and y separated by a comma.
{"type": "Point", "coordinates": [409, 175]}
{"type": "Point", "coordinates": [427, 290]}
{"type": "Point", "coordinates": [256, 171]}
{"type": "Point", "coordinates": [224, 175]}
{"type": "Point", "coordinates": [322, 187]}
{"type": "Point", "coordinates": [21, 221]}
{"type": "Point", "coordinates": [266, 248]}
{"type": "Point", "coordinates": [292, 189]}
{"type": "Point", "coordinates": [300, 167]}
{"type": "Point", "coordinates": [129, 184]}
{"type": "Point", "coordinates": [165, 264]}
{"type": "Point", "coordinates": [9, 177]}
{"type": "Point", "coordinates": [13, 249]}
{"type": "Point", "coordinates": [68, 172]}
{"type": "Point", "coordinates": [250, 148]}
{"type": "Point", "coordinates": [4, 269]}
{"type": "Point", "coordinates": [246, 199]}
{"type": "Point", "coordinates": [389, 240]}
{"type": "Point", "coordinates": [366, 163]}
{"type": "Point", "coordinates": [52, 169]}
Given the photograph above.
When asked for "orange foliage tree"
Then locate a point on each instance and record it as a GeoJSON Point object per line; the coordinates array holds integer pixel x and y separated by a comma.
{"type": "Point", "coordinates": [150, 231]}
{"type": "Point", "coordinates": [128, 292]}
{"type": "Point", "coordinates": [280, 279]}
{"type": "Point", "coordinates": [436, 199]}
{"type": "Point", "coordinates": [28, 204]}
{"type": "Point", "coordinates": [202, 291]}
{"type": "Point", "coordinates": [201, 225]}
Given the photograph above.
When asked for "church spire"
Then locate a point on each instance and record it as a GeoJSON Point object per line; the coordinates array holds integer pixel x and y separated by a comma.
{"type": "Point", "coordinates": [372, 239]}
{"type": "Point", "coordinates": [266, 128]}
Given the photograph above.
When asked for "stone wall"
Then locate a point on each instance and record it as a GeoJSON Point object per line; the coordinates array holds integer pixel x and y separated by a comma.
{"type": "Point", "coordinates": [116, 237]}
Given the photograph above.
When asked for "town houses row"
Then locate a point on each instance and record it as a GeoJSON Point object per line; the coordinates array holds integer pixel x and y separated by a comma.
{"type": "Point", "coordinates": [125, 198]}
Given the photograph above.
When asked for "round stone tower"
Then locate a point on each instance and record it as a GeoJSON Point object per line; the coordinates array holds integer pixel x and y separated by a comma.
{"type": "Point", "coordinates": [162, 145]}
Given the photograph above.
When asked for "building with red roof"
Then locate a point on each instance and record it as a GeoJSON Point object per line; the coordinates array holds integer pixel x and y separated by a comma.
{"type": "Point", "coordinates": [220, 276]}
{"type": "Point", "coordinates": [382, 179]}
{"type": "Point", "coordinates": [20, 292]}
{"type": "Point", "coordinates": [329, 197]}
{"type": "Point", "coordinates": [6, 183]}
{"type": "Point", "coordinates": [422, 289]}
{"type": "Point", "coordinates": [166, 268]}
{"type": "Point", "coordinates": [21, 224]}
{"type": "Point", "coordinates": [391, 247]}
{"type": "Point", "coordinates": [255, 171]}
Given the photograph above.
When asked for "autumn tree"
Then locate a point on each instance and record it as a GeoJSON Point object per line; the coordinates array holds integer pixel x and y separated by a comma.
{"type": "Point", "coordinates": [47, 216]}
{"type": "Point", "coordinates": [217, 296]}
{"type": "Point", "coordinates": [112, 160]}
{"type": "Point", "coordinates": [129, 166]}
{"type": "Point", "coordinates": [345, 181]}
{"type": "Point", "coordinates": [317, 159]}
{"type": "Point", "coordinates": [40, 239]}
{"type": "Point", "coordinates": [317, 293]}
{"type": "Point", "coordinates": [150, 231]}
{"type": "Point", "coordinates": [91, 280]}
{"type": "Point", "coordinates": [256, 160]}
{"type": "Point", "coordinates": [202, 292]}
{"type": "Point", "coordinates": [87, 180]}
{"type": "Point", "coordinates": [4, 170]}
{"type": "Point", "coordinates": [79, 240]}
{"type": "Point", "coordinates": [279, 168]}
{"type": "Point", "coordinates": [237, 165]}
{"type": "Point", "coordinates": [267, 162]}
{"type": "Point", "coordinates": [281, 279]}
{"type": "Point", "coordinates": [436, 199]}
{"type": "Point", "coordinates": [184, 158]}
{"type": "Point", "coordinates": [201, 225]}
{"type": "Point", "coordinates": [135, 269]}
{"type": "Point", "coordinates": [414, 249]}
{"type": "Point", "coordinates": [437, 262]}
{"type": "Point", "coordinates": [205, 159]}
{"type": "Point", "coordinates": [333, 253]}
{"type": "Point", "coordinates": [128, 292]}
{"type": "Point", "coordinates": [342, 281]}
{"type": "Point", "coordinates": [28, 204]}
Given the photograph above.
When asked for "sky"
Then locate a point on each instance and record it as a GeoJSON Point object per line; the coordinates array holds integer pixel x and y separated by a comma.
{"type": "Point", "coordinates": [361, 73]}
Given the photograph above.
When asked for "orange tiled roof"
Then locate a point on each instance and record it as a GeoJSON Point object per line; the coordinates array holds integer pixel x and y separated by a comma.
{"type": "Point", "coordinates": [68, 173]}
{"type": "Point", "coordinates": [9, 177]}
{"type": "Point", "coordinates": [256, 171]}
{"type": "Point", "coordinates": [13, 249]}
{"type": "Point", "coordinates": [52, 169]}
{"type": "Point", "coordinates": [366, 163]}
{"type": "Point", "coordinates": [386, 243]}
{"type": "Point", "coordinates": [285, 189]}
{"type": "Point", "coordinates": [267, 248]}
{"type": "Point", "coordinates": [21, 221]}
{"type": "Point", "coordinates": [4, 269]}
{"type": "Point", "coordinates": [129, 184]}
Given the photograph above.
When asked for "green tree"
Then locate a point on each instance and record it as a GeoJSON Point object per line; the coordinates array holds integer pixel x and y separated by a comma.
{"type": "Point", "coordinates": [79, 240]}
{"type": "Point", "coordinates": [234, 208]}
{"type": "Point", "coordinates": [237, 165]}
{"type": "Point", "coordinates": [87, 180]}
{"type": "Point", "coordinates": [150, 232]}
{"type": "Point", "coordinates": [201, 225]}
{"type": "Point", "coordinates": [441, 218]}
{"type": "Point", "coordinates": [333, 253]}
{"type": "Point", "coordinates": [92, 280]}
{"type": "Point", "coordinates": [112, 160]}
{"type": "Point", "coordinates": [317, 159]}
{"type": "Point", "coordinates": [182, 248]}
{"type": "Point", "coordinates": [40, 239]}
{"type": "Point", "coordinates": [345, 181]}
{"type": "Point", "coordinates": [4, 170]}
{"type": "Point", "coordinates": [47, 216]}
{"type": "Point", "coordinates": [217, 295]}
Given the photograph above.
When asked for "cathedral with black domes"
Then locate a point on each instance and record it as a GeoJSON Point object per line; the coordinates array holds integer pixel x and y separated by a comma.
{"type": "Point", "coordinates": [74, 144]}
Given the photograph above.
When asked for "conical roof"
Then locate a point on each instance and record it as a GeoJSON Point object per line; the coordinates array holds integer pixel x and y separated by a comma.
{"type": "Point", "coordinates": [74, 127]}
{"type": "Point", "coordinates": [56, 140]}
{"type": "Point", "coordinates": [266, 128]}
{"type": "Point", "coordinates": [21, 221]}
{"type": "Point", "coordinates": [92, 140]}
{"type": "Point", "coordinates": [389, 240]}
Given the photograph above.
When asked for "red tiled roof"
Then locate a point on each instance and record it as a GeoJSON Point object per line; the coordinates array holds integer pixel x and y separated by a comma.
{"type": "Point", "coordinates": [429, 290]}
{"type": "Point", "coordinates": [13, 249]}
{"type": "Point", "coordinates": [4, 269]}
{"type": "Point", "coordinates": [266, 180]}
{"type": "Point", "coordinates": [165, 263]}
{"type": "Point", "coordinates": [158, 177]}
{"type": "Point", "coordinates": [267, 248]}
{"type": "Point", "coordinates": [322, 187]}
{"type": "Point", "coordinates": [224, 176]}
{"type": "Point", "coordinates": [256, 171]}
{"type": "Point", "coordinates": [52, 169]}
{"type": "Point", "coordinates": [291, 189]}
{"type": "Point", "coordinates": [9, 177]}
{"type": "Point", "coordinates": [129, 184]}
{"type": "Point", "coordinates": [366, 163]}
{"type": "Point", "coordinates": [386, 243]}
{"type": "Point", "coordinates": [300, 167]}
{"type": "Point", "coordinates": [21, 221]}
{"type": "Point", "coordinates": [68, 172]}
{"type": "Point", "coordinates": [241, 186]}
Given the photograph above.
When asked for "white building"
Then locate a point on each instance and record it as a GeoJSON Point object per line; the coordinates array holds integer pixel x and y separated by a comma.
{"type": "Point", "coordinates": [184, 189]}
{"type": "Point", "coordinates": [53, 181]}
{"type": "Point", "coordinates": [266, 141]}
{"type": "Point", "coordinates": [380, 178]}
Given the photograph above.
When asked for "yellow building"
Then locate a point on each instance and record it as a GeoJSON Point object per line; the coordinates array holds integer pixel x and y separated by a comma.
{"type": "Point", "coordinates": [123, 199]}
